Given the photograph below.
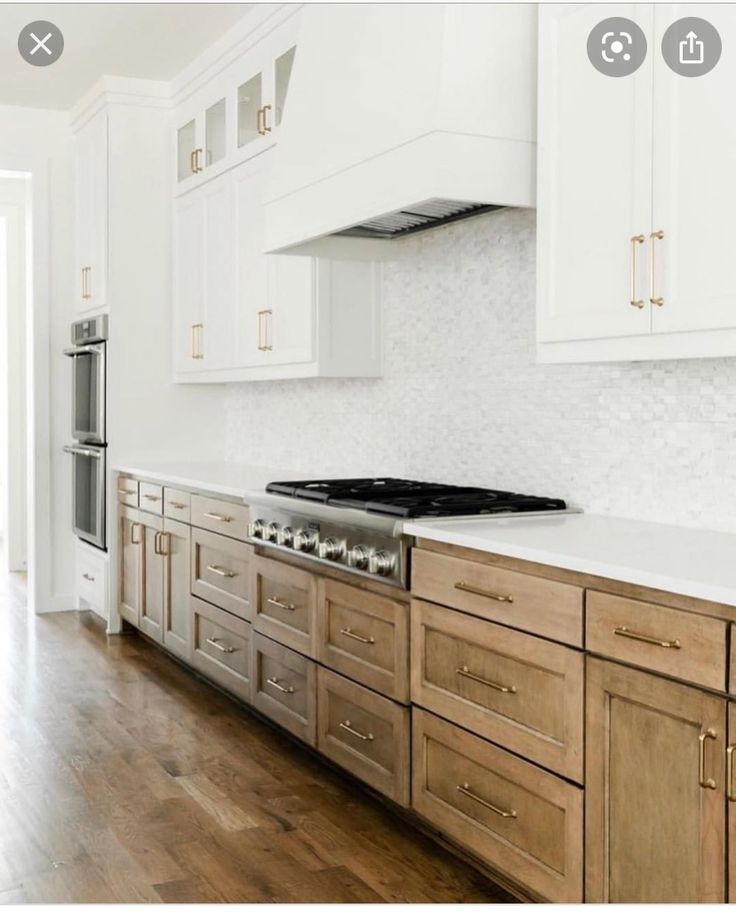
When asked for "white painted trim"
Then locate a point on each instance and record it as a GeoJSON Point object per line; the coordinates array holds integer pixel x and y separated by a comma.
{"type": "Point", "coordinates": [685, 345]}
{"type": "Point", "coordinates": [119, 90]}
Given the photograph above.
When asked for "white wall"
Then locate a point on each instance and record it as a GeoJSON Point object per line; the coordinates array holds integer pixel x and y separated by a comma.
{"type": "Point", "coordinates": [463, 401]}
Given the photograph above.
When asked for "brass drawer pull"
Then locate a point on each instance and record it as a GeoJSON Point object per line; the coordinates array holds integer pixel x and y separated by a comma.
{"type": "Point", "coordinates": [274, 682]}
{"type": "Point", "coordinates": [216, 517]}
{"type": "Point", "coordinates": [642, 637]}
{"type": "Point", "coordinates": [264, 120]}
{"type": "Point", "coordinates": [221, 571]}
{"type": "Point", "coordinates": [88, 577]}
{"type": "Point", "coordinates": [474, 590]}
{"type": "Point", "coordinates": [635, 240]}
{"type": "Point", "coordinates": [177, 505]}
{"type": "Point", "coordinates": [276, 602]}
{"type": "Point", "coordinates": [152, 499]}
{"type": "Point", "coordinates": [354, 732]}
{"type": "Point", "coordinates": [653, 297]}
{"type": "Point", "coordinates": [367, 640]}
{"type": "Point", "coordinates": [135, 526]}
{"type": "Point", "coordinates": [704, 783]}
{"type": "Point", "coordinates": [215, 643]}
{"type": "Point", "coordinates": [463, 672]}
{"type": "Point", "coordinates": [465, 790]}
{"type": "Point", "coordinates": [123, 492]}
{"type": "Point", "coordinates": [729, 773]}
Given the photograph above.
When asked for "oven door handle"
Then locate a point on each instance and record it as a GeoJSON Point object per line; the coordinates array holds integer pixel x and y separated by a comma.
{"type": "Point", "coordinates": [87, 452]}
{"type": "Point", "coordinates": [82, 351]}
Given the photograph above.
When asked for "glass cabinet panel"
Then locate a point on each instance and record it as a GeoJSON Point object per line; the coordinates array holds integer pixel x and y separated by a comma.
{"type": "Point", "coordinates": [250, 100]}
{"type": "Point", "coordinates": [186, 140]}
{"type": "Point", "coordinates": [214, 126]}
{"type": "Point", "coordinates": [282, 75]}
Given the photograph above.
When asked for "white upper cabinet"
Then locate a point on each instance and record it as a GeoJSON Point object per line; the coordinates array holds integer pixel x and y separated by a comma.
{"type": "Point", "coordinates": [91, 213]}
{"type": "Point", "coordinates": [635, 193]}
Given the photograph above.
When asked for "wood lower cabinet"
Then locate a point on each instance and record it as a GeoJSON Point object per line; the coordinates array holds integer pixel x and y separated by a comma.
{"type": "Point", "coordinates": [221, 571]}
{"type": "Point", "coordinates": [515, 816]}
{"type": "Point", "coordinates": [221, 647]}
{"type": "Point", "coordinates": [151, 617]}
{"type": "Point", "coordinates": [285, 604]}
{"type": "Point", "coordinates": [175, 545]}
{"type": "Point", "coordinates": [731, 798]}
{"type": "Point", "coordinates": [655, 826]}
{"type": "Point", "coordinates": [129, 548]}
{"type": "Point", "coordinates": [285, 687]}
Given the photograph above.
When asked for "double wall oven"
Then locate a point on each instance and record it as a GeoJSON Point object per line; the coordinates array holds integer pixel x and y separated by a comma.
{"type": "Point", "coordinates": [89, 429]}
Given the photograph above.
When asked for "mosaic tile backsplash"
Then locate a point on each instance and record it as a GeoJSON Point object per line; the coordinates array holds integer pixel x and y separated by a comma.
{"type": "Point", "coordinates": [463, 401]}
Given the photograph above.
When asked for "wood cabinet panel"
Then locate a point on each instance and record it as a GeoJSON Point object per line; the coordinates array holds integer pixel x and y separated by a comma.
{"type": "Point", "coordinates": [365, 733]}
{"type": "Point", "coordinates": [519, 691]}
{"type": "Point", "coordinates": [151, 497]}
{"type": "Point", "coordinates": [653, 834]}
{"type": "Point", "coordinates": [285, 604]}
{"type": "Point", "coordinates": [177, 504]}
{"type": "Point", "coordinates": [130, 532]}
{"type": "Point", "coordinates": [686, 646]}
{"type": "Point", "coordinates": [531, 603]}
{"type": "Point", "coordinates": [152, 578]}
{"type": "Point", "coordinates": [221, 569]}
{"type": "Point", "coordinates": [520, 819]}
{"type": "Point", "coordinates": [128, 491]}
{"type": "Point", "coordinates": [364, 636]}
{"type": "Point", "coordinates": [731, 800]}
{"type": "Point", "coordinates": [176, 623]}
{"type": "Point", "coordinates": [285, 687]}
{"type": "Point", "coordinates": [221, 647]}
{"type": "Point", "coordinates": [222, 517]}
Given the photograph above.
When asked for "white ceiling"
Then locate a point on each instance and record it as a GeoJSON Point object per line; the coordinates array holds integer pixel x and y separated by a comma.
{"type": "Point", "coordinates": [146, 40]}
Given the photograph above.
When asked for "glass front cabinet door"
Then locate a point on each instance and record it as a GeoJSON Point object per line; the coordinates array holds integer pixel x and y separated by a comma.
{"type": "Point", "coordinates": [261, 100]}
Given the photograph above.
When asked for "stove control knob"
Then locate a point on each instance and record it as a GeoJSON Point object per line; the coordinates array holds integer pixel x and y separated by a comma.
{"type": "Point", "coordinates": [358, 556]}
{"type": "Point", "coordinates": [330, 549]}
{"type": "Point", "coordinates": [285, 536]}
{"type": "Point", "coordinates": [255, 529]}
{"type": "Point", "coordinates": [270, 532]}
{"type": "Point", "coordinates": [380, 563]}
{"type": "Point", "coordinates": [305, 540]}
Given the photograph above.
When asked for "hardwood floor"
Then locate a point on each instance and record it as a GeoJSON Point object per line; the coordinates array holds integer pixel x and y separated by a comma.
{"type": "Point", "coordinates": [125, 780]}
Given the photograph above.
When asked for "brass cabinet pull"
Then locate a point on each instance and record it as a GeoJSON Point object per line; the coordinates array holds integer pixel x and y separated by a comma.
{"type": "Point", "coordinates": [653, 297]}
{"type": "Point", "coordinates": [82, 290]}
{"type": "Point", "coordinates": [164, 543]}
{"type": "Point", "coordinates": [465, 790]}
{"type": "Point", "coordinates": [274, 682]}
{"type": "Point", "coordinates": [463, 672]}
{"type": "Point", "coordinates": [152, 499]}
{"type": "Point", "coordinates": [354, 731]}
{"type": "Point", "coordinates": [123, 492]}
{"type": "Point", "coordinates": [729, 773]}
{"type": "Point", "coordinates": [133, 531]}
{"type": "Point", "coordinates": [704, 736]}
{"type": "Point", "coordinates": [215, 516]}
{"type": "Point", "coordinates": [193, 162]}
{"type": "Point", "coordinates": [88, 577]}
{"type": "Point", "coordinates": [157, 548]}
{"type": "Point", "coordinates": [474, 590]}
{"type": "Point", "coordinates": [197, 341]}
{"type": "Point", "coordinates": [642, 637]}
{"type": "Point", "coordinates": [260, 121]}
{"type": "Point", "coordinates": [177, 505]}
{"type": "Point", "coordinates": [264, 343]}
{"type": "Point", "coordinates": [221, 571]}
{"type": "Point", "coordinates": [276, 602]}
{"type": "Point", "coordinates": [368, 640]}
{"type": "Point", "coordinates": [264, 120]}
{"type": "Point", "coordinates": [87, 284]}
{"type": "Point", "coordinates": [635, 240]}
{"type": "Point", "coordinates": [215, 643]}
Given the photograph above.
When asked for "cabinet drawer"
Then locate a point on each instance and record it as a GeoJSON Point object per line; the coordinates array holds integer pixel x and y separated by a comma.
{"type": "Point", "coordinates": [541, 606]}
{"type": "Point", "coordinates": [365, 636]}
{"type": "Point", "coordinates": [128, 491]}
{"type": "Point", "coordinates": [221, 571]}
{"type": "Point", "coordinates": [518, 818]}
{"type": "Point", "coordinates": [285, 687]}
{"type": "Point", "coordinates": [685, 646]}
{"type": "Point", "coordinates": [219, 516]}
{"type": "Point", "coordinates": [520, 691]}
{"type": "Point", "coordinates": [221, 647]}
{"type": "Point", "coordinates": [177, 504]}
{"type": "Point", "coordinates": [365, 733]}
{"type": "Point", "coordinates": [285, 605]}
{"type": "Point", "coordinates": [151, 497]}
{"type": "Point", "coordinates": [92, 579]}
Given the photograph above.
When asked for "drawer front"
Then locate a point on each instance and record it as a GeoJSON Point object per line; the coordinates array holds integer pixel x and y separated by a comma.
{"type": "Point", "coordinates": [221, 571]}
{"type": "Point", "coordinates": [365, 733]}
{"type": "Point", "coordinates": [530, 603]}
{"type": "Point", "coordinates": [177, 504]}
{"type": "Point", "coordinates": [151, 498]}
{"type": "Point", "coordinates": [128, 492]}
{"type": "Point", "coordinates": [518, 818]}
{"type": "Point", "coordinates": [519, 691]}
{"type": "Point", "coordinates": [365, 636]}
{"type": "Point", "coordinates": [732, 663]}
{"type": "Point", "coordinates": [285, 605]}
{"type": "Point", "coordinates": [219, 516]}
{"type": "Point", "coordinates": [285, 687]}
{"type": "Point", "coordinates": [221, 648]}
{"type": "Point", "coordinates": [92, 580]}
{"type": "Point", "coordinates": [686, 646]}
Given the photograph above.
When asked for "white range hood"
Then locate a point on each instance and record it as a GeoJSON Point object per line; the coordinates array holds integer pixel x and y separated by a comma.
{"type": "Point", "coordinates": [401, 117]}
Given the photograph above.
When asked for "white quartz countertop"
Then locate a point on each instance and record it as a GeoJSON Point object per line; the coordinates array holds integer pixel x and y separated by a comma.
{"type": "Point", "coordinates": [240, 481]}
{"type": "Point", "coordinates": [695, 562]}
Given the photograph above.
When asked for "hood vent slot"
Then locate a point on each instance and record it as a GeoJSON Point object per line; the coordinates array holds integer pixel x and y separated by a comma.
{"type": "Point", "coordinates": [426, 215]}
